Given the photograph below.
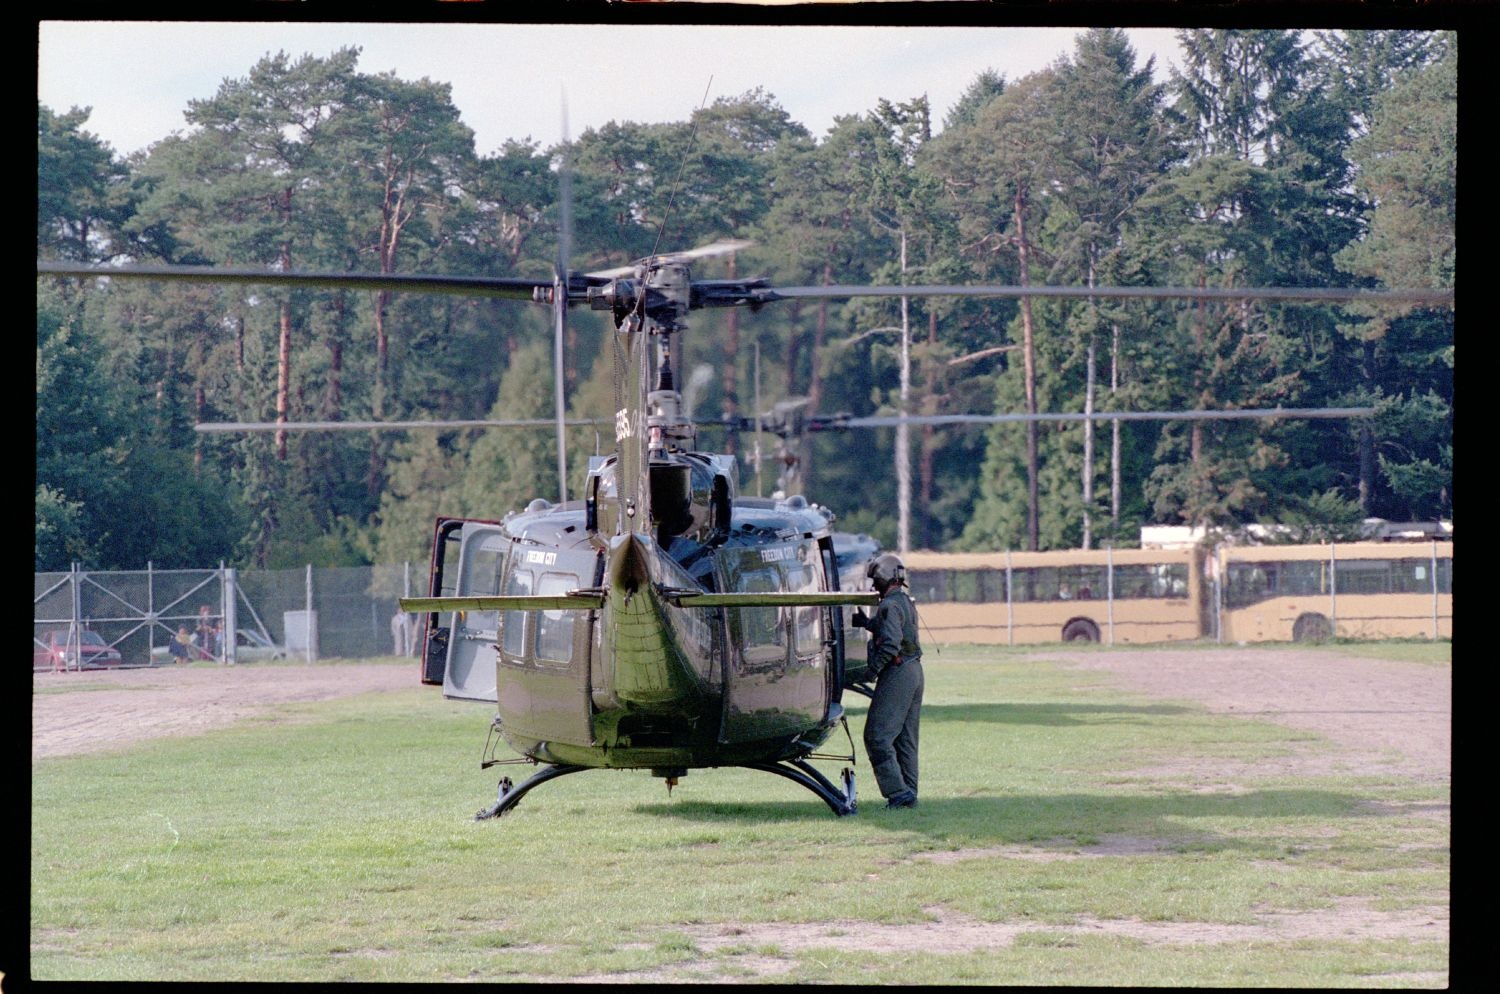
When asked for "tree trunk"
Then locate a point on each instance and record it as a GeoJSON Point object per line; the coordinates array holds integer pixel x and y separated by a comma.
{"type": "Point", "coordinates": [333, 397]}
{"type": "Point", "coordinates": [1028, 351]}
{"type": "Point", "coordinates": [730, 379]}
{"type": "Point", "coordinates": [200, 401]}
{"type": "Point", "coordinates": [283, 375]}
{"type": "Point", "coordinates": [1367, 447]}
{"type": "Point", "coordinates": [1088, 428]}
{"type": "Point", "coordinates": [382, 351]}
{"type": "Point", "coordinates": [929, 435]}
{"type": "Point", "coordinates": [903, 430]}
{"type": "Point", "coordinates": [284, 347]}
{"type": "Point", "coordinates": [1114, 429]}
{"type": "Point", "coordinates": [1088, 451]}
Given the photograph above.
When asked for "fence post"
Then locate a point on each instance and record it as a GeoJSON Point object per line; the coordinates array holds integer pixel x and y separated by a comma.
{"type": "Point", "coordinates": [1220, 566]}
{"type": "Point", "coordinates": [75, 623]}
{"type": "Point", "coordinates": [150, 611]}
{"type": "Point", "coordinates": [1109, 586]}
{"type": "Point", "coordinates": [311, 633]}
{"type": "Point", "coordinates": [1333, 589]}
{"type": "Point", "coordinates": [1010, 607]}
{"type": "Point", "coordinates": [231, 616]}
{"type": "Point", "coordinates": [1434, 592]}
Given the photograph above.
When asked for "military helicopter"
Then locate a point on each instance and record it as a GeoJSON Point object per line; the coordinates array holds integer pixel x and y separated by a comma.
{"type": "Point", "coordinates": [662, 621]}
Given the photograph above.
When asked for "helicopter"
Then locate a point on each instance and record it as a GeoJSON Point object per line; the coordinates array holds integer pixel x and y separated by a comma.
{"type": "Point", "coordinates": [663, 621]}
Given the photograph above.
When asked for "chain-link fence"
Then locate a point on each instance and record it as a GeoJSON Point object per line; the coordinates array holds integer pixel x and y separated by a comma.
{"type": "Point", "coordinates": [84, 619]}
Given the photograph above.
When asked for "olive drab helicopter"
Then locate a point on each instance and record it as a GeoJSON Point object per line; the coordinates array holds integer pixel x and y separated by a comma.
{"type": "Point", "coordinates": [663, 620]}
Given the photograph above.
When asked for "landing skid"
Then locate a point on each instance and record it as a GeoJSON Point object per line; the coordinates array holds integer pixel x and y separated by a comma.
{"type": "Point", "coordinates": [841, 800]}
{"type": "Point", "coordinates": [510, 795]}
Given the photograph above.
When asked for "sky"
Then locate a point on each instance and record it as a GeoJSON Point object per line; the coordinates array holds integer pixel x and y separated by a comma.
{"type": "Point", "coordinates": [512, 81]}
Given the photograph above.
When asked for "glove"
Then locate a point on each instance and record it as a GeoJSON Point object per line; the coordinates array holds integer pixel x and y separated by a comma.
{"type": "Point", "coordinates": [860, 619]}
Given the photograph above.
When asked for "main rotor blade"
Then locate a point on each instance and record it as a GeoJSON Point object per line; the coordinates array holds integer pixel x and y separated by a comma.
{"type": "Point", "coordinates": [1421, 296]}
{"type": "Point", "coordinates": [475, 286]}
{"type": "Point", "coordinates": [990, 419]}
{"type": "Point", "coordinates": [722, 247]}
{"type": "Point", "coordinates": [253, 426]}
{"type": "Point", "coordinates": [783, 427]}
{"type": "Point", "coordinates": [813, 422]}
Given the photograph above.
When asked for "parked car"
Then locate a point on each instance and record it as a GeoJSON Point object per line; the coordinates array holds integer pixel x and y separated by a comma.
{"type": "Point", "coordinates": [250, 646]}
{"type": "Point", "coordinates": [90, 653]}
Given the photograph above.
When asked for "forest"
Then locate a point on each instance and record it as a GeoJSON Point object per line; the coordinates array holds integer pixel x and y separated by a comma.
{"type": "Point", "coordinates": [1270, 158]}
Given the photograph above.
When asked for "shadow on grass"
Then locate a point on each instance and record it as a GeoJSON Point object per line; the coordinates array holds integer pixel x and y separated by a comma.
{"type": "Point", "coordinates": [1017, 819]}
{"type": "Point", "coordinates": [1069, 713]}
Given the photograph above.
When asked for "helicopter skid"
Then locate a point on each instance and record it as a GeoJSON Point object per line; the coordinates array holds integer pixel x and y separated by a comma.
{"type": "Point", "coordinates": [840, 800]}
{"type": "Point", "coordinates": [510, 795]}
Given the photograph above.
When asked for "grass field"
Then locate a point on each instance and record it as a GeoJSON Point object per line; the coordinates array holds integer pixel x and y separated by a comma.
{"type": "Point", "coordinates": [1049, 848]}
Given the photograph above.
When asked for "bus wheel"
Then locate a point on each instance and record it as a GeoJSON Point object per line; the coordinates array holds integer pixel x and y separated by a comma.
{"type": "Point", "coordinates": [1311, 627]}
{"type": "Point", "coordinates": [1080, 630]}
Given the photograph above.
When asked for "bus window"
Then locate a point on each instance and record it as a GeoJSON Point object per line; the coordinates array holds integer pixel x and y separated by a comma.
{"type": "Point", "coordinates": [1059, 583]}
{"type": "Point", "coordinates": [1087, 582]}
{"type": "Point", "coordinates": [1445, 576]}
{"type": "Point", "coordinates": [927, 585]}
{"type": "Point", "coordinates": [1387, 576]}
{"type": "Point", "coordinates": [964, 586]}
{"type": "Point", "coordinates": [1034, 584]}
{"type": "Point", "coordinates": [1151, 580]}
{"type": "Point", "coordinates": [1363, 576]}
{"type": "Point", "coordinates": [1251, 583]}
{"type": "Point", "coordinates": [514, 642]}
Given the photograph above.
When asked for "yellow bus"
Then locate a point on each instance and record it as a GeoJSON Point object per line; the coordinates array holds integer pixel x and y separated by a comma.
{"type": "Point", "coordinates": [1113, 596]}
{"type": "Point", "coordinates": [1357, 590]}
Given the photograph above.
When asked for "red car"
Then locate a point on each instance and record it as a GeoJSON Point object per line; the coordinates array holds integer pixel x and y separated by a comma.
{"type": "Point", "coordinates": [52, 651]}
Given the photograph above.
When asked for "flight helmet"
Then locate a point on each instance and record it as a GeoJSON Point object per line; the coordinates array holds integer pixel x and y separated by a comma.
{"type": "Point", "coordinates": [885, 570]}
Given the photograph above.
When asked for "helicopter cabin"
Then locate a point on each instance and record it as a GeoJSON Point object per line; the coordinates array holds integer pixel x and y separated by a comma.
{"type": "Point", "coordinates": [586, 676]}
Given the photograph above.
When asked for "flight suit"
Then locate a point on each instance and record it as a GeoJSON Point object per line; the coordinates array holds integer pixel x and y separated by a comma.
{"type": "Point", "coordinates": [894, 654]}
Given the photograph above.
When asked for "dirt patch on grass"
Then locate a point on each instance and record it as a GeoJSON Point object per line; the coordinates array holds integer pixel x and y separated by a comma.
{"type": "Point", "coordinates": [102, 710]}
{"type": "Point", "coordinates": [1381, 716]}
{"type": "Point", "coordinates": [949, 931]}
{"type": "Point", "coordinates": [738, 951]}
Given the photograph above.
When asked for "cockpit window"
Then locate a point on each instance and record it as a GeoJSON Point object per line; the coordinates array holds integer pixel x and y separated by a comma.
{"type": "Point", "coordinates": [554, 632]}
{"type": "Point", "coordinates": [809, 620]}
{"type": "Point", "coordinates": [514, 642]}
{"type": "Point", "coordinates": [481, 576]}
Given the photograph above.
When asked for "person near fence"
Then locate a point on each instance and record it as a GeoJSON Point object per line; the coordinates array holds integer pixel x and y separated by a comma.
{"type": "Point", "coordinates": [181, 645]}
{"type": "Point", "coordinates": [204, 636]}
{"type": "Point", "coordinates": [401, 633]}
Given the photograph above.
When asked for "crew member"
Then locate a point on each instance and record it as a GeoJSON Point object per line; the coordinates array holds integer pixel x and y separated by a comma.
{"type": "Point", "coordinates": [895, 661]}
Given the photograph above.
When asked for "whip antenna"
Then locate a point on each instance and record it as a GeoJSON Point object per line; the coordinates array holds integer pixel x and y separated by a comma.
{"type": "Point", "coordinates": [560, 300]}
{"type": "Point", "coordinates": [681, 166]}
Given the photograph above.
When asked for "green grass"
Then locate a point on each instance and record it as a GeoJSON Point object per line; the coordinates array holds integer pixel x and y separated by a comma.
{"type": "Point", "coordinates": [340, 847]}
